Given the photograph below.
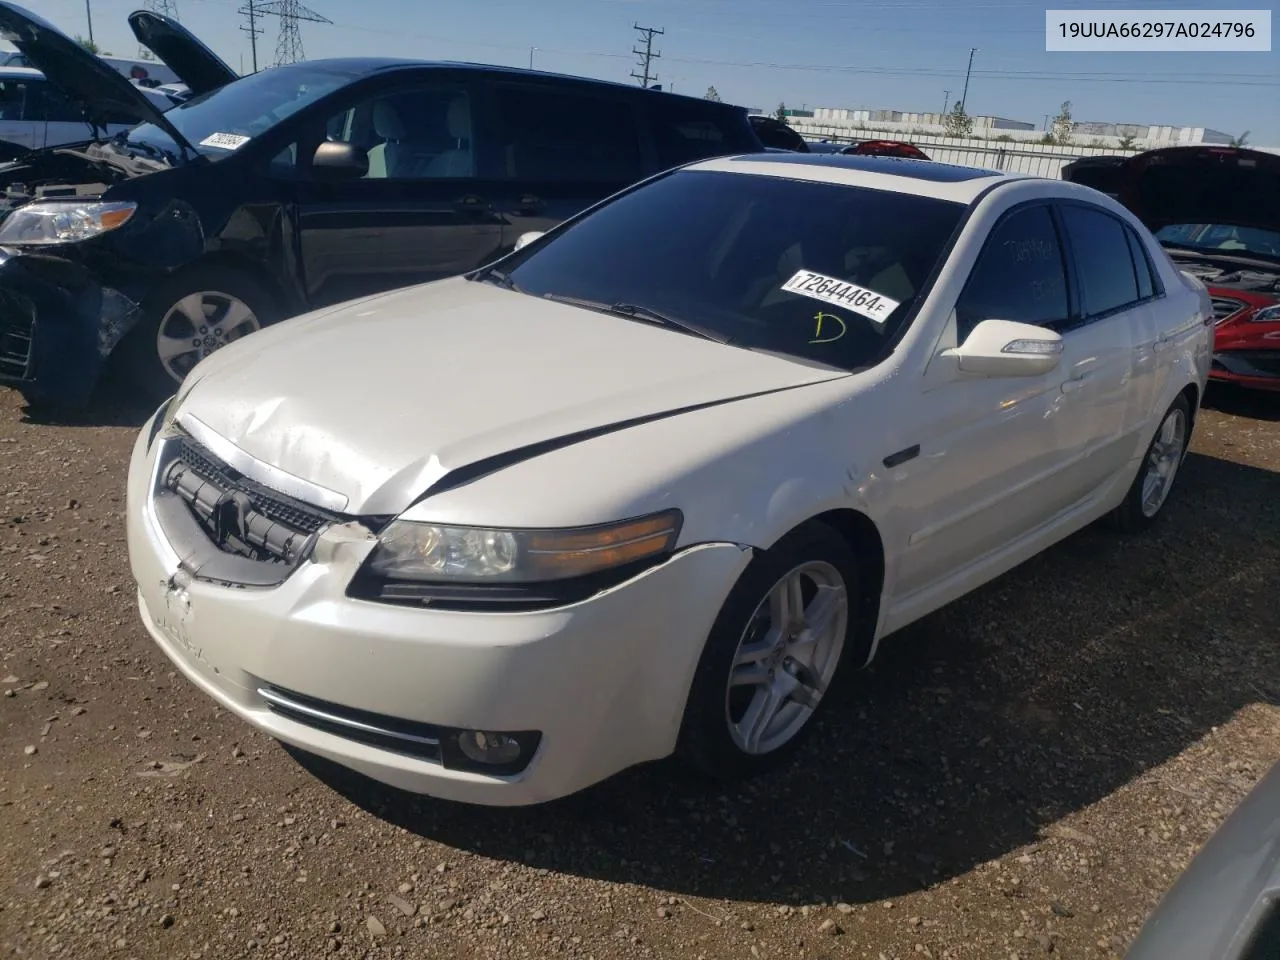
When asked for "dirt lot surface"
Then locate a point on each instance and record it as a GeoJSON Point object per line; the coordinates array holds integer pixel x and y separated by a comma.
{"type": "Point", "coordinates": [1020, 775]}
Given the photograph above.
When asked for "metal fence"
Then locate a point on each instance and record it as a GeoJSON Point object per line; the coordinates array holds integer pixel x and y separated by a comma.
{"type": "Point", "coordinates": [1041, 160]}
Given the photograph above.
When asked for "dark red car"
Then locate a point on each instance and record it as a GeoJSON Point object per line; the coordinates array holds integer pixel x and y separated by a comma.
{"type": "Point", "coordinates": [1216, 211]}
{"type": "Point", "coordinates": [886, 148]}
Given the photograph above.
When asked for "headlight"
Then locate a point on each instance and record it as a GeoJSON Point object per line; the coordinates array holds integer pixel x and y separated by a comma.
{"type": "Point", "coordinates": [61, 221]}
{"type": "Point", "coordinates": [425, 552]}
{"type": "Point", "coordinates": [1267, 315]}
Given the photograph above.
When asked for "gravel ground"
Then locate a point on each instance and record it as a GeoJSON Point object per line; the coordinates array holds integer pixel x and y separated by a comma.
{"type": "Point", "coordinates": [1022, 774]}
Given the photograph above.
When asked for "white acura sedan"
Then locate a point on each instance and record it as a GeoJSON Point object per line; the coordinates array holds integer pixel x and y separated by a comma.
{"type": "Point", "coordinates": [643, 486]}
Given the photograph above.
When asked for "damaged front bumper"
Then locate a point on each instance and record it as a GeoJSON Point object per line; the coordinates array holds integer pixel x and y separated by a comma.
{"type": "Point", "coordinates": [58, 324]}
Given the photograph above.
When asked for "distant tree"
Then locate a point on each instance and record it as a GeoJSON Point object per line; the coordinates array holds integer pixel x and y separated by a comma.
{"type": "Point", "coordinates": [1060, 129]}
{"type": "Point", "coordinates": [712, 94]}
{"type": "Point", "coordinates": [781, 112]}
{"type": "Point", "coordinates": [959, 123]}
{"type": "Point", "coordinates": [1005, 138]}
{"type": "Point", "coordinates": [89, 45]}
{"type": "Point", "coordinates": [1241, 140]}
{"type": "Point", "coordinates": [1128, 142]}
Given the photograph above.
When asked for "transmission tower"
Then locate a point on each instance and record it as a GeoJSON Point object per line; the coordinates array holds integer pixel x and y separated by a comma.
{"type": "Point", "coordinates": [250, 11]}
{"type": "Point", "coordinates": [647, 55]}
{"type": "Point", "coordinates": [291, 13]}
{"type": "Point", "coordinates": [165, 8]}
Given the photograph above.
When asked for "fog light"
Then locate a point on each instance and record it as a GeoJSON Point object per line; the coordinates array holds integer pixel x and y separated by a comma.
{"type": "Point", "coordinates": [489, 748]}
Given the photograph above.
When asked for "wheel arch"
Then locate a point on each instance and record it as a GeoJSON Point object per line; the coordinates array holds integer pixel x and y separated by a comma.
{"type": "Point", "coordinates": [862, 535]}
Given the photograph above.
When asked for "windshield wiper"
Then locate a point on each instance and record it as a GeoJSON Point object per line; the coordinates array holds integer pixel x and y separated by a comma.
{"type": "Point", "coordinates": [641, 314]}
{"type": "Point", "coordinates": [497, 277]}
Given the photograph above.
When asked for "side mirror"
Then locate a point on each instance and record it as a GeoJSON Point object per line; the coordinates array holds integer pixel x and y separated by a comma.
{"type": "Point", "coordinates": [1003, 348]}
{"type": "Point", "coordinates": [334, 160]}
{"type": "Point", "coordinates": [527, 238]}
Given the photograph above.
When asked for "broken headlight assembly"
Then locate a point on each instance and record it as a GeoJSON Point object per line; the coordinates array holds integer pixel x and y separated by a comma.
{"type": "Point", "coordinates": [60, 221]}
{"type": "Point", "coordinates": [471, 567]}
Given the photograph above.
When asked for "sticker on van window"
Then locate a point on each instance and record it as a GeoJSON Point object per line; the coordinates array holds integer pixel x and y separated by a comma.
{"type": "Point", "coordinates": [226, 141]}
{"type": "Point", "coordinates": [876, 307]}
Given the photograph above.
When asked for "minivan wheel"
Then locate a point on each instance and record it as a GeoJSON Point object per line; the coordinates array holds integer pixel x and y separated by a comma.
{"type": "Point", "coordinates": [189, 317]}
{"type": "Point", "coordinates": [1150, 489]}
{"type": "Point", "coordinates": [772, 655]}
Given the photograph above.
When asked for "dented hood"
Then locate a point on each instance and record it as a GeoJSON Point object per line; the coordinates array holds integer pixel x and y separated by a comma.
{"type": "Point", "coordinates": [379, 399]}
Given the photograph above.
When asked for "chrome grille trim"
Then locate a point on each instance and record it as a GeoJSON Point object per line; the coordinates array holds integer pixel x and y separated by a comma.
{"type": "Point", "coordinates": [358, 725]}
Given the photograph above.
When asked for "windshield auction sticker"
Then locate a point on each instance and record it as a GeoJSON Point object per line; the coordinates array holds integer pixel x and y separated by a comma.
{"type": "Point", "coordinates": [876, 307]}
{"type": "Point", "coordinates": [225, 141]}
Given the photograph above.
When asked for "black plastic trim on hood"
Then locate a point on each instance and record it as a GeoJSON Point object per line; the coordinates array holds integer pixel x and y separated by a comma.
{"type": "Point", "coordinates": [1203, 184]}
{"type": "Point", "coordinates": [181, 51]}
{"type": "Point", "coordinates": [480, 468]}
{"type": "Point", "coordinates": [105, 94]}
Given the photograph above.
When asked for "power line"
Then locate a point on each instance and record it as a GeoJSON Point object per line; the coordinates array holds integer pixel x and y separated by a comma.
{"type": "Point", "coordinates": [647, 55]}
{"type": "Point", "coordinates": [291, 14]}
{"type": "Point", "coordinates": [250, 12]}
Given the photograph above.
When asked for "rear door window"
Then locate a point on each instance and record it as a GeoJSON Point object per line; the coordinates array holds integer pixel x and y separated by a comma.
{"type": "Point", "coordinates": [1103, 259]}
{"type": "Point", "coordinates": [552, 134]}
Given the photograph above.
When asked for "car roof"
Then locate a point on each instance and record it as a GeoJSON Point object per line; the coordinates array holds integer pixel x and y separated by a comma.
{"type": "Point", "coordinates": [20, 73]}
{"type": "Point", "coordinates": [929, 178]}
{"type": "Point", "coordinates": [360, 66]}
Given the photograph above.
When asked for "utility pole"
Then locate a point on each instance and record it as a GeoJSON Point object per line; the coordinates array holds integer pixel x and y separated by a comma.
{"type": "Point", "coordinates": [250, 12]}
{"type": "Point", "coordinates": [531, 49]}
{"type": "Point", "coordinates": [88, 14]}
{"type": "Point", "coordinates": [946, 99]}
{"type": "Point", "coordinates": [964, 97]}
{"type": "Point", "coordinates": [648, 54]}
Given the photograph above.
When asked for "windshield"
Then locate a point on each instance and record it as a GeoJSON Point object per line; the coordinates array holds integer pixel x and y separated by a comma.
{"type": "Point", "coordinates": [1222, 238]}
{"type": "Point", "coordinates": [222, 121]}
{"type": "Point", "coordinates": [820, 271]}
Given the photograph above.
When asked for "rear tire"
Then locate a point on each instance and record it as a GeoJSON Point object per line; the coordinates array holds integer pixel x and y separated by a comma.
{"type": "Point", "coordinates": [776, 646]}
{"type": "Point", "coordinates": [1151, 488]}
{"type": "Point", "coordinates": [188, 317]}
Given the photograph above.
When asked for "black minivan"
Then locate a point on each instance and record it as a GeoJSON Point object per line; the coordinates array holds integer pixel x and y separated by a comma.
{"type": "Point", "coordinates": [294, 188]}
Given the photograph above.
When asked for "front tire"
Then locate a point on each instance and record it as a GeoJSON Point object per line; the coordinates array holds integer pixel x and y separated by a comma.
{"type": "Point", "coordinates": [187, 318]}
{"type": "Point", "coordinates": [1150, 489]}
{"type": "Point", "coordinates": [772, 655]}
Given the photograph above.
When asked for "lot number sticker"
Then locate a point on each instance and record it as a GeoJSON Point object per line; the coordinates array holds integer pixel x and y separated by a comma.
{"type": "Point", "coordinates": [874, 306]}
{"type": "Point", "coordinates": [227, 141]}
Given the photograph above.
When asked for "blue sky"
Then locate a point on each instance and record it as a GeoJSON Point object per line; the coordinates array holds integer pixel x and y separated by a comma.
{"type": "Point", "coordinates": [858, 53]}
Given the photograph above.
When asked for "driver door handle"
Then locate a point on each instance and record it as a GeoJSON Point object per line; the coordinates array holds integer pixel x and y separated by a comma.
{"type": "Point", "coordinates": [1075, 383]}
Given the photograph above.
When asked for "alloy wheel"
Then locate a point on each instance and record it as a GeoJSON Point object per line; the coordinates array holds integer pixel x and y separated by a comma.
{"type": "Point", "coordinates": [1163, 461]}
{"type": "Point", "coordinates": [199, 324]}
{"type": "Point", "coordinates": [786, 657]}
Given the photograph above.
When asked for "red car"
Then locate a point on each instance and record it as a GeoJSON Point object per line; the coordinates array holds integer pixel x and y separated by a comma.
{"type": "Point", "coordinates": [886, 148]}
{"type": "Point", "coordinates": [1216, 211]}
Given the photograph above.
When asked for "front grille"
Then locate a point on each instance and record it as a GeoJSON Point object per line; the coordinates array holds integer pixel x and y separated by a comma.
{"type": "Point", "coordinates": [409, 737]}
{"type": "Point", "coordinates": [17, 332]}
{"type": "Point", "coordinates": [240, 515]}
{"type": "Point", "coordinates": [1224, 307]}
{"type": "Point", "coordinates": [1249, 363]}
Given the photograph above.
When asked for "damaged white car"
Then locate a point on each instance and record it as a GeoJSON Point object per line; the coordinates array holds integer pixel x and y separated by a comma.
{"type": "Point", "coordinates": [647, 484]}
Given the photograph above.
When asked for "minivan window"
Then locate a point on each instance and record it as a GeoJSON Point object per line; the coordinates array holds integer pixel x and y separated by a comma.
{"type": "Point", "coordinates": [820, 271]}
{"type": "Point", "coordinates": [1103, 260]}
{"type": "Point", "coordinates": [553, 134]}
{"type": "Point", "coordinates": [1020, 275]}
{"type": "Point", "coordinates": [422, 132]}
{"type": "Point", "coordinates": [221, 121]}
{"type": "Point", "coordinates": [682, 134]}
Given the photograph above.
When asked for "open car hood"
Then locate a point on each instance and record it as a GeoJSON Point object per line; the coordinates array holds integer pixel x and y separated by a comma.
{"type": "Point", "coordinates": [178, 48]}
{"type": "Point", "coordinates": [106, 95]}
{"type": "Point", "coordinates": [1203, 184]}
